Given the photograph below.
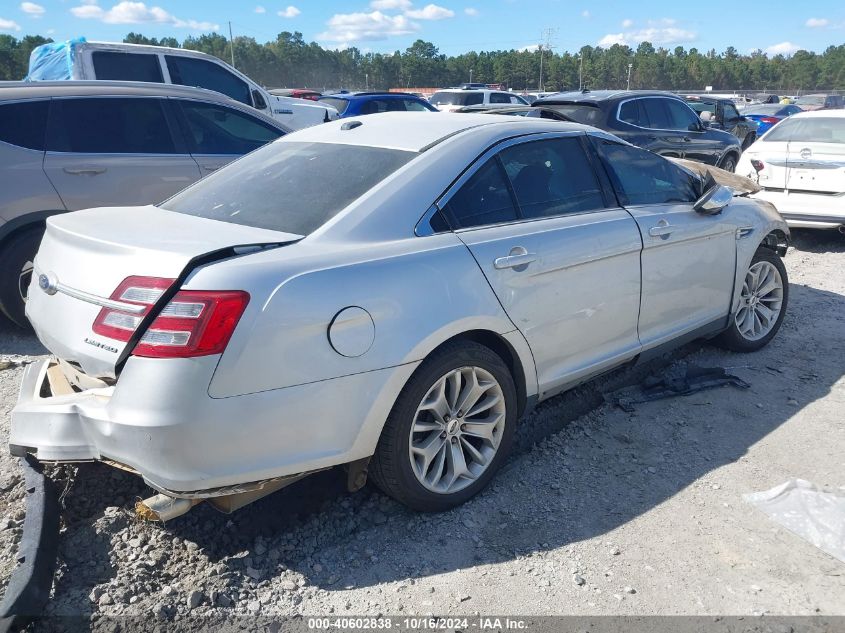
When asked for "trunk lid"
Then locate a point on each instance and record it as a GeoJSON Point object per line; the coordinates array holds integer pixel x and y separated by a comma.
{"type": "Point", "coordinates": [816, 167]}
{"type": "Point", "coordinates": [84, 256]}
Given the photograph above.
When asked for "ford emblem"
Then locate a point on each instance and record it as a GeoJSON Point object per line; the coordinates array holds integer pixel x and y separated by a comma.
{"type": "Point", "coordinates": [48, 283]}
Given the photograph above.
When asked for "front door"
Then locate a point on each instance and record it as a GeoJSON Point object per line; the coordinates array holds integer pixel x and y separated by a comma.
{"type": "Point", "coordinates": [562, 259]}
{"type": "Point", "coordinates": [688, 259]}
{"type": "Point", "coordinates": [114, 151]}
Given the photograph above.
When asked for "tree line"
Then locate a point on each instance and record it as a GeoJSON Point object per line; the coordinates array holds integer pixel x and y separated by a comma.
{"type": "Point", "coordinates": [290, 61]}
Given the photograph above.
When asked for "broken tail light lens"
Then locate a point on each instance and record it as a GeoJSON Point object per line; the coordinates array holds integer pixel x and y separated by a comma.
{"type": "Point", "coordinates": [194, 323]}
{"type": "Point", "coordinates": [757, 165]}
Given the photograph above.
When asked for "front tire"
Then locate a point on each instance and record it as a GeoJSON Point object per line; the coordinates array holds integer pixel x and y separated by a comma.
{"type": "Point", "coordinates": [763, 301]}
{"type": "Point", "coordinates": [16, 257]}
{"type": "Point", "coordinates": [728, 163]}
{"type": "Point", "coordinates": [449, 431]}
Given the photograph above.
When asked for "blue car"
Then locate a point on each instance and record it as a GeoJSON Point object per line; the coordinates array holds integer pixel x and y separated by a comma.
{"type": "Point", "coordinates": [359, 103]}
{"type": "Point", "coordinates": [767, 115]}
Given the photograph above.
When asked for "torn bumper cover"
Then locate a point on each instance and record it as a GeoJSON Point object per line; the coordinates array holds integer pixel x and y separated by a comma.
{"type": "Point", "coordinates": [159, 421]}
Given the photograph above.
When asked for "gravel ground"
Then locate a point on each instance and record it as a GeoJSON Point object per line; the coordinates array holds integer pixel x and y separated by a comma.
{"type": "Point", "coordinates": [599, 511]}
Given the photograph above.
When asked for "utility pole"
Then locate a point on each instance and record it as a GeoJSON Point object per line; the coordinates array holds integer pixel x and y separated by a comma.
{"type": "Point", "coordinates": [470, 75]}
{"type": "Point", "coordinates": [367, 81]}
{"type": "Point", "coordinates": [580, 71]}
{"type": "Point", "coordinates": [546, 36]}
{"type": "Point", "coordinates": [630, 66]}
{"type": "Point", "coordinates": [232, 44]}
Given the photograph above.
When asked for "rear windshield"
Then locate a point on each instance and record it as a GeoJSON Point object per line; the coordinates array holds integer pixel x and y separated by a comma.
{"type": "Point", "coordinates": [578, 112]}
{"type": "Point", "coordinates": [762, 109]}
{"type": "Point", "coordinates": [290, 187]}
{"type": "Point", "coordinates": [467, 98]}
{"type": "Point", "coordinates": [338, 104]}
{"type": "Point", "coordinates": [809, 130]}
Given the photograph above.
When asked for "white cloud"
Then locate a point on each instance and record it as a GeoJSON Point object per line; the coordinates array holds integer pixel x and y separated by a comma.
{"type": "Point", "coordinates": [784, 48]}
{"type": "Point", "coordinates": [530, 48]}
{"type": "Point", "coordinates": [9, 25]}
{"type": "Point", "coordinates": [390, 5]}
{"type": "Point", "coordinates": [627, 24]}
{"type": "Point", "coordinates": [585, 14]}
{"type": "Point", "coordinates": [137, 13]}
{"type": "Point", "coordinates": [260, 9]}
{"type": "Point", "coordinates": [289, 12]}
{"type": "Point", "coordinates": [430, 12]}
{"type": "Point", "coordinates": [470, 11]}
{"type": "Point", "coordinates": [32, 9]}
{"type": "Point", "coordinates": [660, 32]}
{"type": "Point", "coordinates": [815, 23]}
{"type": "Point", "coordinates": [355, 27]}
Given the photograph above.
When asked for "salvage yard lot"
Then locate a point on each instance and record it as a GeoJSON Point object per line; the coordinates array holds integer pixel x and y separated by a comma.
{"type": "Point", "coordinates": [598, 511]}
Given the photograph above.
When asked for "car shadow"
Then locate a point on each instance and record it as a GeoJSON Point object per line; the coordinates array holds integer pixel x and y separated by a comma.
{"type": "Point", "coordinates": [337, 539]}
{"type": "Point", "coordinates": [18, 341]}
{"type": "Point", "coordinates": [818, 241]}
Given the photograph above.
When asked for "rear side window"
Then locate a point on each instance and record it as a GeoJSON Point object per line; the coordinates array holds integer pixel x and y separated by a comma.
{"type": "Point", "coordinates": [23, 124]}
{"type": "Point", "coordinates": [499, 97]}
{"type": "Point", "coordinates": [640, 177]}
{"type": "Point", "coordinates": [809, 130]}
{"type": "Point", "coordinates": [289, 186]}
{"type": "Point", "coordinates": [127, 66]}
{"type": "Point", "coordinates": [484, 199]}
{"type": "Point", "coordinates": [109, 126]}
{"type": "Point", "coordinates": [467, 98]}
{"type": "Point", "coordinates": [552, 177]}
{"type": "Point", "coordinates": [188, 71]}
{"type": "Point", "coordinates": [647, 113]}
{"type": "Point", "coordinates": [581, 113]}
{"type": "Point", "coordinates": [216, 129]}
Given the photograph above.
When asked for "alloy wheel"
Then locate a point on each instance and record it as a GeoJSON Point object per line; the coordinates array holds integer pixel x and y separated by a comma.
{"type": "Point", "coordinates": [457, 430]}
{"type": "Point", "coordinates": [760, 302]}
{"type": "Point", "coordinates": [24, 278]}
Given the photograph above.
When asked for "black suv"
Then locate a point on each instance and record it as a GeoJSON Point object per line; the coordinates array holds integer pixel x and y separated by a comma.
{"type": "Point", "coordinates": [657, 121]}
{"type": "Point", "coordinates": [723, 116]}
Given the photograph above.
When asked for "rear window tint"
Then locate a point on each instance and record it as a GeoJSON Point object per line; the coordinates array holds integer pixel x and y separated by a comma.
{"type": "Point", "coordinates": [289, 186]}
{"type": "Point", "coordinates": [467, 98]}
{"type": "Point", "coordinates": [809, 130]}
{"type": "Point", "coordinates": [23, 124]}
{"type": "Point", "coordinates": [127, 66]}
{"type": "Point", "coordinates": [580, 113]}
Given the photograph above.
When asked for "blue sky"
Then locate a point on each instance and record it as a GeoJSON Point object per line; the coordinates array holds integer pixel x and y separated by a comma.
{"type": "Point", "coordinates": [455, 26]}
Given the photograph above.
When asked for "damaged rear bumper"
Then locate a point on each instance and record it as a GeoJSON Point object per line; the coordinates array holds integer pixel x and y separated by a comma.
{"type": "Point", "coordinates": [159, 421]}
{"type": "Point", "coordinates": [807, 210]}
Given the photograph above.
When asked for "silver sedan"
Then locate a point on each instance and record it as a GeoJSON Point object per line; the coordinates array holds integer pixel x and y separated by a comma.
{"type": "Point", "coordinates": [391, 293]}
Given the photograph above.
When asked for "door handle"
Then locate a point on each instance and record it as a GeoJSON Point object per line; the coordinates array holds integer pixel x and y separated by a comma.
{"type": "Point", "coordinates": [663, 229]}
{"type": "Point", "coordinates": [84, 171]}
{"type": "Point", "coordinates": [687, 139]}
{"type": "Point", "coordinates": [518, 257]}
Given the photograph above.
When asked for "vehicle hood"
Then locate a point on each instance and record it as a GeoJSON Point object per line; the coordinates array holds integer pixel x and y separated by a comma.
{"type": "Point", "coordinates": [85, 255]}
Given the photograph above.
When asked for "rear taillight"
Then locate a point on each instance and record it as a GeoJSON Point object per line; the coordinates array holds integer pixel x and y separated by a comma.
{"type": "Point", "coordinates": [769, 119]}
{"type": "Point", "coordinates": [139, 291]}
{"type": "Point", "coordinates": [758, 165]}
{"type": "Point", "coordinates": [193, 323]}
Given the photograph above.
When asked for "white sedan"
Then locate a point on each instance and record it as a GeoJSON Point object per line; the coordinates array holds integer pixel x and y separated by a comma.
{"type": "Point", "coordinates": [800, 165]}
{"type": "Point", "coordinates": [391, 293]}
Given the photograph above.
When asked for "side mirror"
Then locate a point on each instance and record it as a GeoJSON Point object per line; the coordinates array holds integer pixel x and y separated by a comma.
{"type": "Point", "coordinates": [258, 100]}
{"type": "Point", "coordinates": [714, 200]}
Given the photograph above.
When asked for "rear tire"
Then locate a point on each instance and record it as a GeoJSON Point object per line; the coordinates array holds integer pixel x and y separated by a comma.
{"type": "Point", "coordinates": [435, 453]}
{"type": "Point", "coordinates": [728, 163]}
{"type": "Point", "coordinates": [16, 257]}
{"type": "Point", "coordinates": [765, 295]}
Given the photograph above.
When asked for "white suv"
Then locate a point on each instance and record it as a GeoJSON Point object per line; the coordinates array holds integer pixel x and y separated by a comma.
{"type": "Point", "coordinates": [457, 98]}
{"type": "Point", "coordinates": [160, 64]}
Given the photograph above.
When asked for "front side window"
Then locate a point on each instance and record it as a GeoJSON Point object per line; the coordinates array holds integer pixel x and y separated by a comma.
{"type": "Point", "coordinates": [809, 130]}
{"type": "Point", "coordinates": [731, 112]}
{"type": "Point", "coordinates": [294, 187]}
{"type": "Point", "coordinates": [23, 124]}
{"type": "Point", "coordinates": [127, 66]}
{"type": "Point", "coordinates": [499, 97]}
{"type": "Point", "coordinates": [484, 199]}
{"type": "Point", "coordinates": [680, 115]}
{"type": "Point", "coordinates": [552, 177]}
{"type": "Point", "coordinates": [414, 106]}
{"type": "Point", "coordinates": [641, 177]}
{"type": "Point", "coordinates": [216, 129]}
{"type": "Point", "coordinates": [188, 71]}
{"type": "Point", "coordinates": [109, 126]}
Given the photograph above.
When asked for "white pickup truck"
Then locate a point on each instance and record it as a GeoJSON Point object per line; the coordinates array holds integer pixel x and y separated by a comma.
{"type": "Point", "coordinates": [80, 59]}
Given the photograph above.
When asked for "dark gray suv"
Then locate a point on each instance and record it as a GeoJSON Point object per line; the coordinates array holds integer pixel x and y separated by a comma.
{"type": "Point", "coordinates": [72, 145]}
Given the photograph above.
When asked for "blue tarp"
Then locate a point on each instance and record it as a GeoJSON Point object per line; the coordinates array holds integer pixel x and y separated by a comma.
{"type": "Point", "coordinates": [51, 62]}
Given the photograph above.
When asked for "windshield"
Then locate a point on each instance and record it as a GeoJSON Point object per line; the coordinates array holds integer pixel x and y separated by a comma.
{"type": "Point", "coordinates": [457, 98]}
{"type": "Point", "coordinates": [338, 104]}
{"type": "Point", "coordinates": [810, 101]}
{"type": "Point", "coordinates": [809, 130]}
{"type": "Point", "coordinates": [700, 106]}
{"type": "Point", "coordinates": [290, 187]}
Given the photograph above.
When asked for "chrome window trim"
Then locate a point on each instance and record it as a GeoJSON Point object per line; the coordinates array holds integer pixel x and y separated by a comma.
{"type": "Point", "coordinates": [653, 129]}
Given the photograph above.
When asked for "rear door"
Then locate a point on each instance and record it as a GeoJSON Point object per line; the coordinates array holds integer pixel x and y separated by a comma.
{"type": "Point", "coordinates": [652, 126]}
{"type": "Point", "coordinates": [815, 154]}
{"type": "Point", "coordinates": [688, 259]}
{"type": "Point", "coordinates": [562, 258]}
{"type": "Point", "coordinates": [120, 151]}
{"type": "Point", "coordinates": [217, 134]}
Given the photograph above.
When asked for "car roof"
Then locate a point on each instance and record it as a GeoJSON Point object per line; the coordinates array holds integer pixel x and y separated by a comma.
{"type": "Point", "coordinates": [694, 95]}
{"type": "Point", "coordinates": [418, 131]}
{"type": "Point", "coordinates": [349, 96]}
{"type": "Point", "coordinates": [823, 114]}
{"type": "Point", "coordinates": [594, 96]}
{"type": "Point", "coordinates": [76, 88]}
{"type": "Point", "coordinates": [461, 90]}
